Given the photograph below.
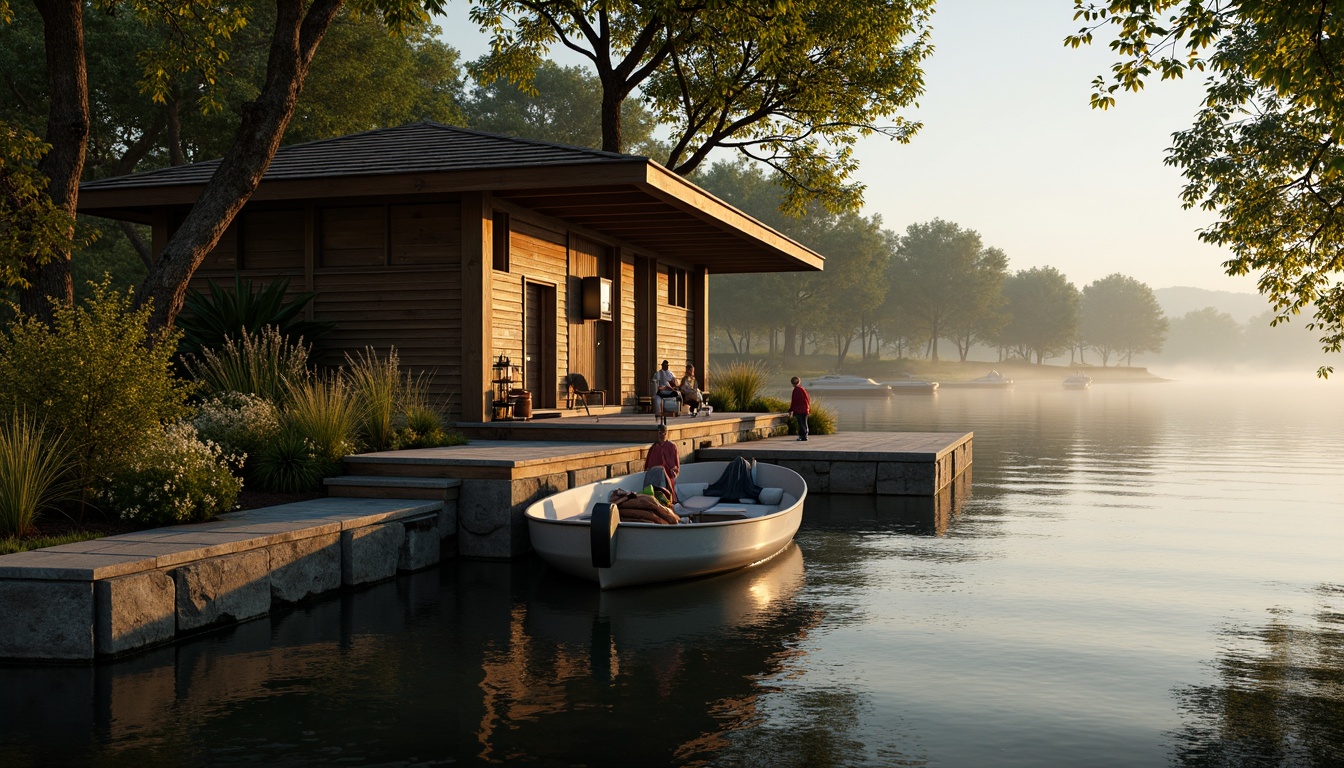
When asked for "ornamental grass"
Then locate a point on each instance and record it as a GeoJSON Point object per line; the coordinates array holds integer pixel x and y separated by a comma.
{"type": "Point", "coordinates": [325, 411]}
{"type": "Point", "coordinates": [735, 386]}
{"type": "Point", "coordinates": [34, 472]}
{"type": "Point", "coordinates": [264, 364]}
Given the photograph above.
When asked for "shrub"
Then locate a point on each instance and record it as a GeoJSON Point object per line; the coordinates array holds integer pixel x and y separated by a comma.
{"type": "Point", "coordinates": [177, 478]}
{"type": "Point", "coordinates": [291, 463]}
{"type": "Point", "coordinates": [207, 321]}
{"type": "Point", "coordinates": [768, 405]}
{"type": "Point", "coordinates": [32, 465]}
{"type": "Point", "coordinates": [377, 385]}
{"type": "Point", "coordinates": [738, 384]}
{"type": "Point", "coordinates": [264, 364]}
{"type": "Point", "coordinates": [240, 424]}
{"type": "Point", "coordinates": [97, 374]}
{"type": "Point", "coordinates": [821, 420]}
{"type": "Point", "coordinates": [720, 401]}
{"type": "Point", "coordinates": [323, 411]}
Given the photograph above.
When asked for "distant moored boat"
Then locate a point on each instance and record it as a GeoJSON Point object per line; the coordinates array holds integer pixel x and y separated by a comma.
{"type": "Point", "coordinates": [835, 385]}
{"type": "Point", "coordinates": [1078, 381]}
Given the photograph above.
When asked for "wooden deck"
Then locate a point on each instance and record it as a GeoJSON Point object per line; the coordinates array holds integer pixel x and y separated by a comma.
{"type": "Point", "coordinates": [508, 465]}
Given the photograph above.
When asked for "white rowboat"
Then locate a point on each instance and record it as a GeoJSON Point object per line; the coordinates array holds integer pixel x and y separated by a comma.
{"type": "Point", "coordinates": [727, 536]}
{"type": "Point", "coordinates": [835, 385]}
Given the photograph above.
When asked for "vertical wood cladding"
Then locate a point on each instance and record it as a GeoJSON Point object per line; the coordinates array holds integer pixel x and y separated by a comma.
{"type": "Point", "coordinates": [632, 389]}
{"type": "Point", "coordinates": [675, 326]}
{"type": "Point", "coordinates": [537, 254]}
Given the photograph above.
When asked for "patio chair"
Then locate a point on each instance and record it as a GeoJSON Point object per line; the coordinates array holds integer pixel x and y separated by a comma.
{"type": "Point", "coordinates": [580, 391]}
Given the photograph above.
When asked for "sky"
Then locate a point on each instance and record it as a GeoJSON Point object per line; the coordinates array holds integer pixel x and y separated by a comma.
{"type": "Point", "coordinates": [1012, 149]}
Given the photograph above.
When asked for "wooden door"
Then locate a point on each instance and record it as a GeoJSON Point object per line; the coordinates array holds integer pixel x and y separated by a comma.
{"type": "Point", "coordinates": [539, 343]}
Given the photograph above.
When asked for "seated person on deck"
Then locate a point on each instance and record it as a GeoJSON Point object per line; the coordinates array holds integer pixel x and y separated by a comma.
{"type": "Point", "coordinates": [664, 388]}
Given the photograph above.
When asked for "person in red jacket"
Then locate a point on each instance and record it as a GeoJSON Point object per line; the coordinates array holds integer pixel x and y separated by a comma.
{"type": "Point", "coordinates": [800, 407]}
{"type": "Point", "coordinates": [663, 453]}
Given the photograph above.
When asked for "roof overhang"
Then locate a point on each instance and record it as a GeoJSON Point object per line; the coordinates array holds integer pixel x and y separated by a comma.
{"type": "Point", "coordinates": [635, 201]}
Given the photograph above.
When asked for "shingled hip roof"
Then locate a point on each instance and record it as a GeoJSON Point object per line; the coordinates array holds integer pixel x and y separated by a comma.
{"type": "Point", "coordinates": [625, 196]}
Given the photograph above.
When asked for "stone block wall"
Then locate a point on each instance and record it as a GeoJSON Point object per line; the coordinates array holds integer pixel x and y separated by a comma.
{"type": "Point", "coordinates": [61, 615]}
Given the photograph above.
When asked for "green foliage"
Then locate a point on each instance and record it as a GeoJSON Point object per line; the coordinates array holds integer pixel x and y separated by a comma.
{"type": "Point", "coordinates": [738, 384]}
{"type": "Point", "coordinates": [1265, 151]}
{"type": "Point", "coordinates": [563, 106]}
{"type": "Point", "coordinates": [9, 546]}
{"type": "Point", "coordinates": [35, 229]}
{"type": "Point", "coordinates": [821, 420]}
{"type": "Point", "coordinates": [176, 478]}
{"type": "Point", "coordinates": [377, 386]}
{"type": "Point", "coordinates": [33, 468]}
{"type": "Point", "coordinates": [424, 429]}
{"type": "Point", "coordinates": [394, 407]}
{"type": "Point", "coordinates": [1120, 315]}
{"type": "Point", "coordinates": [720, 401]}
{"type": "Point", "coordinates": [265, 365]}
{"type": "Point", "coordinates": [792, 84]}
{"type": "Point", "coordinates": [946, 283]}
{"type": "Point", "coordinates": [210, 320]}
{"type": "Point", "coordinates": [240, 424]}
{"type": "Point", "coordinates": [292, 463]}
{"type": "Point", "coordinates": [1042, 306]}
{"type": "Point", "coordinates": [1204, 336]}
{"type": "Point", "coordinates": [97, 374]}
{"type": "Point", "coordinates": [767, 405]}
{"type": "Point", "coordinates": [324, 411]}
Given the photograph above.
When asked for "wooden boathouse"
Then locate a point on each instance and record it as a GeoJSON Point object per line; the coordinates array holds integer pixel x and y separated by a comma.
{"type": "Point", "coordinates": [460, 248]}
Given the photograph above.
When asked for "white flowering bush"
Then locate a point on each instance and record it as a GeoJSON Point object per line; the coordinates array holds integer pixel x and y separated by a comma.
{"type": "Point", "coordinates": [177, 478]}
{"type": "Point", "coordinates": [239, 423]}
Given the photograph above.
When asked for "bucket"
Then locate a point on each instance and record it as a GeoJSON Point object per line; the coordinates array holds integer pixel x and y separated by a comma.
{"type": "Point", "coordinates": [522, 403]}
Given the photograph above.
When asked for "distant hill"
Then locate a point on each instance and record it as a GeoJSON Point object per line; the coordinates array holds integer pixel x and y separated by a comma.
{"type": "Point", "coordinates": [1176, 302]}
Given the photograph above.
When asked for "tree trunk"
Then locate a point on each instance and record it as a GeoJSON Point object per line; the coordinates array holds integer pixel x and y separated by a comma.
{"type": "Point", "coordinates": [611, 119]}
{"type": "Point", "coordinates": [790, 342]}
{"type": "Point", "coordinates": [293, 44]}
{"type": "Point", "coordinates": [68, 135]}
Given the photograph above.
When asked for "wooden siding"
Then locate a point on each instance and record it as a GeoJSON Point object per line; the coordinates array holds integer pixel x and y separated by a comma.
{"type": "Point", "coordinates": [425, 233]}
{"type": "Point", "coordinates": [538, 254]}
{"type": "Point", "coordinates": [420, 313]}
{"type": "Point", "coordinates": [353, 237]}
{"type": "Point", "coordinates": [632, 389]}
{"type": "Point", "coordinates": [273, 240]}
{"type": "Point", "coordinates": [675, 326]}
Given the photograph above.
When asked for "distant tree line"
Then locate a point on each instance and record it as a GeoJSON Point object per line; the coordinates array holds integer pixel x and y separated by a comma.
{"type": "Point", "coordinates": [911, 293]}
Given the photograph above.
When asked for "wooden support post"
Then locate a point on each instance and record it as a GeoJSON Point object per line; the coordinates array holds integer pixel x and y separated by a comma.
{"type": "Point", "coordinates": [477, 333]}
{"type": "Point", "coordinates": [699, 305]}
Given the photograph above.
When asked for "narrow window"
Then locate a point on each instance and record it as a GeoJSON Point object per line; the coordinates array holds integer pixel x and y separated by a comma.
{"type": "Point", "coordinates": [676, 287]}
{"type": "Point", "coordinates": [500, 247]}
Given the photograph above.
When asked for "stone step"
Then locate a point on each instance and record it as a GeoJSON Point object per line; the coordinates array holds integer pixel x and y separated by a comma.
{"type": "Point", "coordinates": [393, 487]}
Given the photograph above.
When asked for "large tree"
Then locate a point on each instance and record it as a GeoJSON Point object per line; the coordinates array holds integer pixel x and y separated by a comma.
{"type": "Point", "coordinates": [1042, 308]}
{"type": "Point", "coordinates": [1265, 150]}
{"type": "Point", "coordinates": [791, 83]}
{"type": "Point", "coordinates": [1204, 336]}
{"type": "Point", "coordinates": [361, 78]}
{"type": "Point", "coordinates": [564, 106]}
{"type": "Point", "coordinates": [947, 281]}
{"type": "Point", "coordinates": [199, 34]}
{"type": "Point", "coordinates": [1120, 315]}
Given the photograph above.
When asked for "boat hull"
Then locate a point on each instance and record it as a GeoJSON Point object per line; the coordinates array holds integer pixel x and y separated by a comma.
{"type": "Point", "coordinates": [646, 553]}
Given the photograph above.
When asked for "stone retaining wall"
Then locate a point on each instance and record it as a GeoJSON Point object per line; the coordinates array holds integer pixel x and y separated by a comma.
{"type": "Point", "coordinates": [109, 596]}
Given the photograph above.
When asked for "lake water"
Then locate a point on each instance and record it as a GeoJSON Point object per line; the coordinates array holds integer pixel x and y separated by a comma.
{"type": "Point", "coordinates": [1137, 575]}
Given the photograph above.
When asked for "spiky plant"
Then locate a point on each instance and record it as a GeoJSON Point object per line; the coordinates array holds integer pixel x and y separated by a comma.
{"type": "Point", "coordinates": [34, 472]}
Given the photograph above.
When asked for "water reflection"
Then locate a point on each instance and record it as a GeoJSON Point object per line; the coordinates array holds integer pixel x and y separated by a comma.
{"type": "Point", "coordinates": [1279, 699]}
{"type": "Point", "coordinates": [912, 515]}
{"type": "Point", "coordinates": [479, 663]}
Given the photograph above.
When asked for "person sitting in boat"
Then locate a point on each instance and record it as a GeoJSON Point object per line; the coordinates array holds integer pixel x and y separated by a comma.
{"type": "Point", "coordinates": [663, 453]}
{"type": "Point", "coordinates": [690, 395]}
